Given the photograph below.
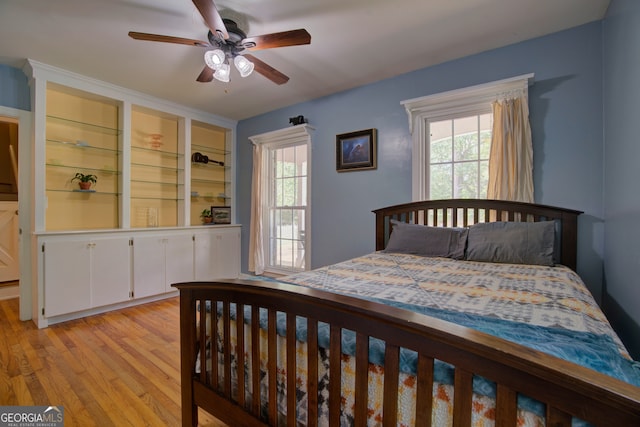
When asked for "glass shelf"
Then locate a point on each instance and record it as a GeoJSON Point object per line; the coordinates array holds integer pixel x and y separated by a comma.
{"type": "Point", "coordinates": [173, 199]}
{"type": "Point", "coordinates": [170, 168]}
{"type": "Point", "coordinates": [195, 148]}
{"type": "Point", "coordinates": [142, 181]}
{"type": "Point", "coordinates": [75, 145]}
{"type": "Point", "coordinates": [86, 126]}
{"type": "Point", "coordinates": [209, 165]}
{"type": "Point", "coordinates": [92, 192]}
{"type": "Point", "coordinates": [82, 168]}
{"type": "Point", "coordinates": [210, 181]}
{"type": "Point", "coordinates": [171, 154]}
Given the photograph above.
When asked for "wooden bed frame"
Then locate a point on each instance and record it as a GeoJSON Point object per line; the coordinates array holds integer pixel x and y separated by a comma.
{"type": "Point", "coordinates": [566, 389]}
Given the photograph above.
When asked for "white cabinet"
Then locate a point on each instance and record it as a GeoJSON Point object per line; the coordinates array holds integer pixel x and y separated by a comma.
{"type": "Point", "coordinates": [85, 272]}
{"type": "Point", "coordinates": [217, 254]}
{"type": "Point", "coordinates": [160, 260]}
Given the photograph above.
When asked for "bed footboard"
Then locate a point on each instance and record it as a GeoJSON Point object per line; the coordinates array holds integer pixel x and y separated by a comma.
{"type": "Point", "coordinates": [212, 313]}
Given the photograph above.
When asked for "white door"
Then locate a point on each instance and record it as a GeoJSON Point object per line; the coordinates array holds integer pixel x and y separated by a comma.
{"type": "Point", "coordinates": [9, 267]}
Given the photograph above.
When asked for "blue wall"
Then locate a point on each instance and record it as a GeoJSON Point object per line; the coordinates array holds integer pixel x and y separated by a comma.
{"type": "Point", "coordinates": [14, 88]}
{"type": "Point", "coordinates": [622, 173]}
{"type": "Point", "coordinates": [566, 119]}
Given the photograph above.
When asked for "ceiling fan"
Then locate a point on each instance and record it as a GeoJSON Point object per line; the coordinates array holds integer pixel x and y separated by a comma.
{"type": "Point", "coordinates": [228, 43]}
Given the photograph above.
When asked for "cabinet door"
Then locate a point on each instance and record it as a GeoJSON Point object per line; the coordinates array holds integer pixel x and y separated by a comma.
{"type": "Point", "coordinates": [203, 265]}
{"type": "Point", "coordinates": [225, 253]}
{"type": "Point", "coordinates": [179, 259]}
{"type": "Point", "coordinates": [67, 274]}
{"type": "Point", "coordinates": [110, 271]}
{"type": "Point", "coordinates": [148, 266]}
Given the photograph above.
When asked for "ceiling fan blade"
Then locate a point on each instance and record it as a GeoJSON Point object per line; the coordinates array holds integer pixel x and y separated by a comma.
{"type": "Point", "coordinates": [209, 12]}
{"type": "Point", "coordinates": [167, 39]}
{"type": "Point", "coordinates": [206, 75]}
{"type": "Point", "coordinates": [267, 70]}
{"type": "Point", "coordinates": [285, 38]}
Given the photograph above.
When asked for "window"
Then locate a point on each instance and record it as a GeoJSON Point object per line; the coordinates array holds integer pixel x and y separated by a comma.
{"type": "Point", "coordinates": [451, 134]}
{"type": "Point", "coordinates": [287, 207]}
{"type": "Point", "coordinates": [459, 157]}
{"type": "Point", "coordinates": [280, 220]}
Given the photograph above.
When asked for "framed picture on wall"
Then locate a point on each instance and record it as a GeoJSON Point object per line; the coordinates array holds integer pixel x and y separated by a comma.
{"type": "Point", "coordinates": [356, 150]}
{"type": "Point", "coordinates": [221, 214]}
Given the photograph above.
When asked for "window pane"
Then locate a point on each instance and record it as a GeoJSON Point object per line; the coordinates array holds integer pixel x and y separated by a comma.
{"type": "Point", "coordinates": [466, 138]}
{"type": "Point", "coordinates": [441, 181]}
{"type": "Point", "coordinates": [301, 160]}
{"type": "Point", "coordinates": [440, 137]}
{"type": "Point", "coordinates": [484, 179]}
{"type": "Point", "coordinates": [466, 180]}
{"type": "Point", "coordinates": [486, 127]}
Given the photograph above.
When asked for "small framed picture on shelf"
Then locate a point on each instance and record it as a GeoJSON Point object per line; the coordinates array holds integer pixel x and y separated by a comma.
{"type": "Point", "coordinates": [356, 150]}
{"type": "Point", "coordinates": [221, 214]}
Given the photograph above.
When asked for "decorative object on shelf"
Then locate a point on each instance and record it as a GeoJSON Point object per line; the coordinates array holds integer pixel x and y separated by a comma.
{"type": "Point", "coordinates": [206, 216]}
{"type": "Point", "coordinates": [85, 180]}
{"type": "Point", "coordinates": [298, 120]}
{"type": "Point", "coordinates": [221, 214]}
{"type": "Point", "coordinates": [356, 150]}
{"type": "Point", "coordinates": [155, 140]}
{"type": "Point", "coordinates": [203, 158]}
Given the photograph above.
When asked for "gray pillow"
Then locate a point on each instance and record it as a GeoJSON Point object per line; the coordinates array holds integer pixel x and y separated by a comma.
{"type": "Point", "coordinates": [512, 242]}
{"type": "Point", "coordinates": [427, 241]}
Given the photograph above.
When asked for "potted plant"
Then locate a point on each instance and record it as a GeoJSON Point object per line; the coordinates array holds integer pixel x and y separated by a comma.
{"type": "Point", "coordinates": [85, 180]}
{"type": "Point", "coordinates": [206, 216]}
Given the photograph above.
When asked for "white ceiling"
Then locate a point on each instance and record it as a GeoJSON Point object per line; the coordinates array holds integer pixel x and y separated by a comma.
{"type": "Point", "coordinates": [353, 42]}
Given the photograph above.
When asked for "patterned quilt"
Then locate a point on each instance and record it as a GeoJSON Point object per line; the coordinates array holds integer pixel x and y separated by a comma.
{"type": "Point", "coordinates": [547, 308]}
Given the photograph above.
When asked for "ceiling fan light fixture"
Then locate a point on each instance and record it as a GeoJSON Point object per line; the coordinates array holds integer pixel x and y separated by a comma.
{"type": "Point", "coordinates": [243, 65]}
{"type": "Point", "coordinates": [214, 58]}
{"type": "Point", "coordinates": [222, 73]}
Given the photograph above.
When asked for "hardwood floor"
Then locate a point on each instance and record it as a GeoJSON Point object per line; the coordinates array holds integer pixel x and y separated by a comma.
{"type": "Point", "coordinates": [115, 369]}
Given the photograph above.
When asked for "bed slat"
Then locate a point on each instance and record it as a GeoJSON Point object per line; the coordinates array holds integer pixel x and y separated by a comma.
{"type": "Point", "coordinates": [255, 361]}
{"type": "Point", "coordinates": [390, 399]}
{"type": "Point", "coordinates": [291, 369]}
{"type": "Point", "coordinates": [226, 340]}
{"type": "Point", "coordinates": [462, 396]}
{"type": "Point", "coordinates": [312, 372]}
{"type": "Point", "coordinates": [240, 354]}
{"type": "Point", "coordinates": [362, 386]}
{"type": "Point", "coordinates": [335, 376]}
{"type": "Point", "coordinates": [424, 390]}
{"type": "Point", "coordinates": [272, 367]}
{"type": "Point", "coordinates": [506, 407]}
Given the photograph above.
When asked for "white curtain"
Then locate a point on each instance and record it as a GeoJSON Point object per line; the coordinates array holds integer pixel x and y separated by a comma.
{"type": "Point", "coordinates": [511, 156]}
{"type": "Point", "coordinates": [256, 247]}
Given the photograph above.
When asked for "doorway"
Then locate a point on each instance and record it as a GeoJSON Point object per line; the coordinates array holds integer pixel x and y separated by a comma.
{"type": "Point", "coordinates": [9, 243]}
{"type": "Point", "coordinates": [18, 217]}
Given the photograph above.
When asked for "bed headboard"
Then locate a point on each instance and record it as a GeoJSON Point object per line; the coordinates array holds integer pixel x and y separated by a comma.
{"type": "Point", "coordinates": [466, 212]}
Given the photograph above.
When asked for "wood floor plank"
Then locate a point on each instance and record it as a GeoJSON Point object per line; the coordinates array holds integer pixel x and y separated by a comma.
{"type": "Point", "coordinates": [120, 368]}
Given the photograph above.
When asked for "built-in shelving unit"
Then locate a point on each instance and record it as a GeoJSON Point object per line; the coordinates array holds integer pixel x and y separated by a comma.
{"type": "Point", "coordinates": [210, 169]}
{"type": "Point", "coordinates": [137, 230]}
{"type": "Point", "coordinates": [157, 171]}
{"type": "Point", "coordinates": [82, 136]}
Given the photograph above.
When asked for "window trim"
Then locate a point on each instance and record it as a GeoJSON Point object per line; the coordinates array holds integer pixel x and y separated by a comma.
{"type": "Point", "coordinates": [462, 101]}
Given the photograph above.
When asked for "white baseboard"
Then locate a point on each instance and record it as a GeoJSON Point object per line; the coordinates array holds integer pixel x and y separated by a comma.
{"type": "Point", "coordinates": [9, 292]}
